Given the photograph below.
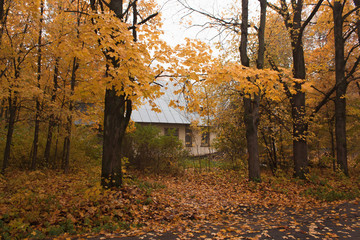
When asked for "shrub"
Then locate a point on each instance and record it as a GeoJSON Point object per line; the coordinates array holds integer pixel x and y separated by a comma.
{"type": "Point", "coordinates": [147, 149]}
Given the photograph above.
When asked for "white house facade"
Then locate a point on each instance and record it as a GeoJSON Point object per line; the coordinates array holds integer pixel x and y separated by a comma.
{"type": "Point", "coordinates": [198, 141]}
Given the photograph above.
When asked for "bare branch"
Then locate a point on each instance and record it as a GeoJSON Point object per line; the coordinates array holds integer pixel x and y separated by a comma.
{"type": "Point", "coordinates": [312, 14]}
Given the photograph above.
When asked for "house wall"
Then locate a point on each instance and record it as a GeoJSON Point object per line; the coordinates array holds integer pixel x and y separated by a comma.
{"type": "Point", "coordinates": [197, 149]}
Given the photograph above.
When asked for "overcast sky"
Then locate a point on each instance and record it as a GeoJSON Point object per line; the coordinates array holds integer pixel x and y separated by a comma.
{"type": "Point", "coordinates": [173, 12]}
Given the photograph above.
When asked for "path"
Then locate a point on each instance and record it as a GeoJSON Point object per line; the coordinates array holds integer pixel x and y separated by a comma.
{"type": "Point", "coordinates": [245, 222]}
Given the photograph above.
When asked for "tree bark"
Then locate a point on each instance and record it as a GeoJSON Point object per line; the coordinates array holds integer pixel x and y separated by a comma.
{"type": "Point", "coordinates": [340, 100]}
{"type": "Point", "coordinates": [294, 24]}
{"type": "Point", "coordinates": [3, 17]}
{"type": "Point", "coordinates": [67, 140]}
{"type": "Point", "coordinates": [261, 35]}
{"type": "Point", "coordinates": [251, 103]}
{"type": "Point", "coordinates": [300, 124]}
{"type": "Point", "coordinates": [2, 12]}
{"type": "Point", "coordinates": [10, 126]}
{"type": "Point", "coordinates": [116, 118]}
{"type": "Point", "coordinates": [114, 131]}
{"type": "Point", "coordinates": [52, 121]}
{"type": "Point", "coordinates": [36, 137]}
{"type": "Point", "coordinates": [37, 114]}
{"type": "Point", "coordinates": [251, 120]}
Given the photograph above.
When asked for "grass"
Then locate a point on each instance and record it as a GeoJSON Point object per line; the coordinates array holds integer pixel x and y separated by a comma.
{"type": "Point", "coordinates": [206, 163]}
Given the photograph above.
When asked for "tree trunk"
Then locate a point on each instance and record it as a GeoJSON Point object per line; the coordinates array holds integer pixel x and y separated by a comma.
{"type": "Point", "coordinates": [251, 103]}
{"type": "Point", "coordinates": [300, 127]}
{"type": "Point", "coordinates": [115, 123]}
{"type": "Point", "coordinates": [300, 124]}
{"type": "Point", "coordinates": [67, 140]}
{"type": "Point", "coordinates": [3, 18]}
{"type": "Point", "coordinates": [340, 100]}
{"type": "Point", "coordinates": [56, 147]}
{"type": "Point", "coordinates": [296, 26]}
{"type": "Point", "coordinates": [2, 12]}
{"type": "Point", "coordinates": [251, 120]}
{"type": "Point", "coordinates": [261, 35]}
{"type": "Point", "coordinates": [37, 114]}
{"type": "Point", "coordinates": [116, 119]}
{"type": "Point", "coordinates": [49, 140]}
{"type": "Point", "coordinates": [332, 138]}
{"type": "Point", "coordinates": [10, 127]}
{"type": "Point", "coordinates": [36, 137]}
{"type": "Point", "coordinates": [52, 121]}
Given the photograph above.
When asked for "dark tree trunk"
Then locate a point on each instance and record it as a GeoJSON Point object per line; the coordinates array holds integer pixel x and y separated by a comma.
{"type": "Point", "coordinates": [116, 118]}
{"type": "Point", "coordinates": [271, 149]}
{"type": "Point", "coordinates": [244, 33]}
{"type": "Point", "coordinates": [67, 140]}
{"type": "Point", "coordinates": [300, 125]}
{"type": "Point", "coordinates": [52, 121]}
{"type": "Point", "coordinates": [2, 109]}
{"type": "Point", "coordinates": [10, 127]}
{"type": "Point", "coordinates": [37, 114]}
{"type": "Point", "coordinates": [2, 13]}
{"type": "Point", "coordinates": [13, 109]}
{"type": "Point", "coordinates": [3, 16]}
{"type": "Point", "coordinates": [49, 140]}
{"type": "Point", "coordinates": [54, 162]}
{"type": "Point", "coordinates": [36, 137]}
{"type": "Point", "coordinates": [251, 120]}
{"type": "Point", "coordinates": [332, 139]}
{"type": "Point", "coordinates": [296, 26]}
{"type": "Point", "coordinates": [261, 35]}
{"type": "Point", "coordinates": [251, 103]}
{"type": "Point", "coordinates": [340, 100]}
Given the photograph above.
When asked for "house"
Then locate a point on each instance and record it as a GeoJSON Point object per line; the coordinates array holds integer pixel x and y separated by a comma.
{"type": "Point", "coordinates": [198, 141]}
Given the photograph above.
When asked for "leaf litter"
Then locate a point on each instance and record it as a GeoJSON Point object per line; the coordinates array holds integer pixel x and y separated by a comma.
{"type": "Point", "coordinates": [214, 205]}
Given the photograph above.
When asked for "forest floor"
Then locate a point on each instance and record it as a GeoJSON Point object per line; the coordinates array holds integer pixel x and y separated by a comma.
{"type": "Point", "coordinates": [205, 205]}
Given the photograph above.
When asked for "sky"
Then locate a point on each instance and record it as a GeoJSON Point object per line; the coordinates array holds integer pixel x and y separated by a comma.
{"type": "Point", "coordinates": [173, 12]}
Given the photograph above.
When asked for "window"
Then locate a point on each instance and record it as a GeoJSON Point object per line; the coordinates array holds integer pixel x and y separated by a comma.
{"type": "Point", "coordinates": [188, 137]}
{"type": "Point", "coordinates": [172, 132]}
{"type": "Point", "coordinates": [205, 137]}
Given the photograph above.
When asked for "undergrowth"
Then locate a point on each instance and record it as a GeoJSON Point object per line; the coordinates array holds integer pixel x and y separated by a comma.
{"type": "Point", "coordinates": [41, 204]}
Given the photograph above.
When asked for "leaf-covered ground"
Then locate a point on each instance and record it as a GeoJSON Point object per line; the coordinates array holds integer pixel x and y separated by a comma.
{"type": "Point", "coordinates": [216, 205]}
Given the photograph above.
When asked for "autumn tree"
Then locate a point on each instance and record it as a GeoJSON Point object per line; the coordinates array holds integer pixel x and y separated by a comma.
{"type": "Point", "coordinates": [34, 150]}
{"type": "Point", "coordinates": [292, 14]}
{"type": "Point", "coordinates": [344, 70]}
{"type": "Point", "coordinates": [128, 75]}
{"type": "Point", "coordinates": [16, 50]}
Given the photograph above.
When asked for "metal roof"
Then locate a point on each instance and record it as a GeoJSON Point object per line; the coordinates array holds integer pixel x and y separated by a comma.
{"type": "Point", "coordinates": [145, 114]}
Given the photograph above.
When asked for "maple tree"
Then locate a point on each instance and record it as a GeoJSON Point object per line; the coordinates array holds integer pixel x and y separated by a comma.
{"type": "Point", "coordinates": [295, 25]}
{"type": "Point", "coordinates": [128, 75]}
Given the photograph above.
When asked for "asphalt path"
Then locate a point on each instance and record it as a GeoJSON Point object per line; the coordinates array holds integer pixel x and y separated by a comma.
{"type": "Point", "coordinates": [341, 221]}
